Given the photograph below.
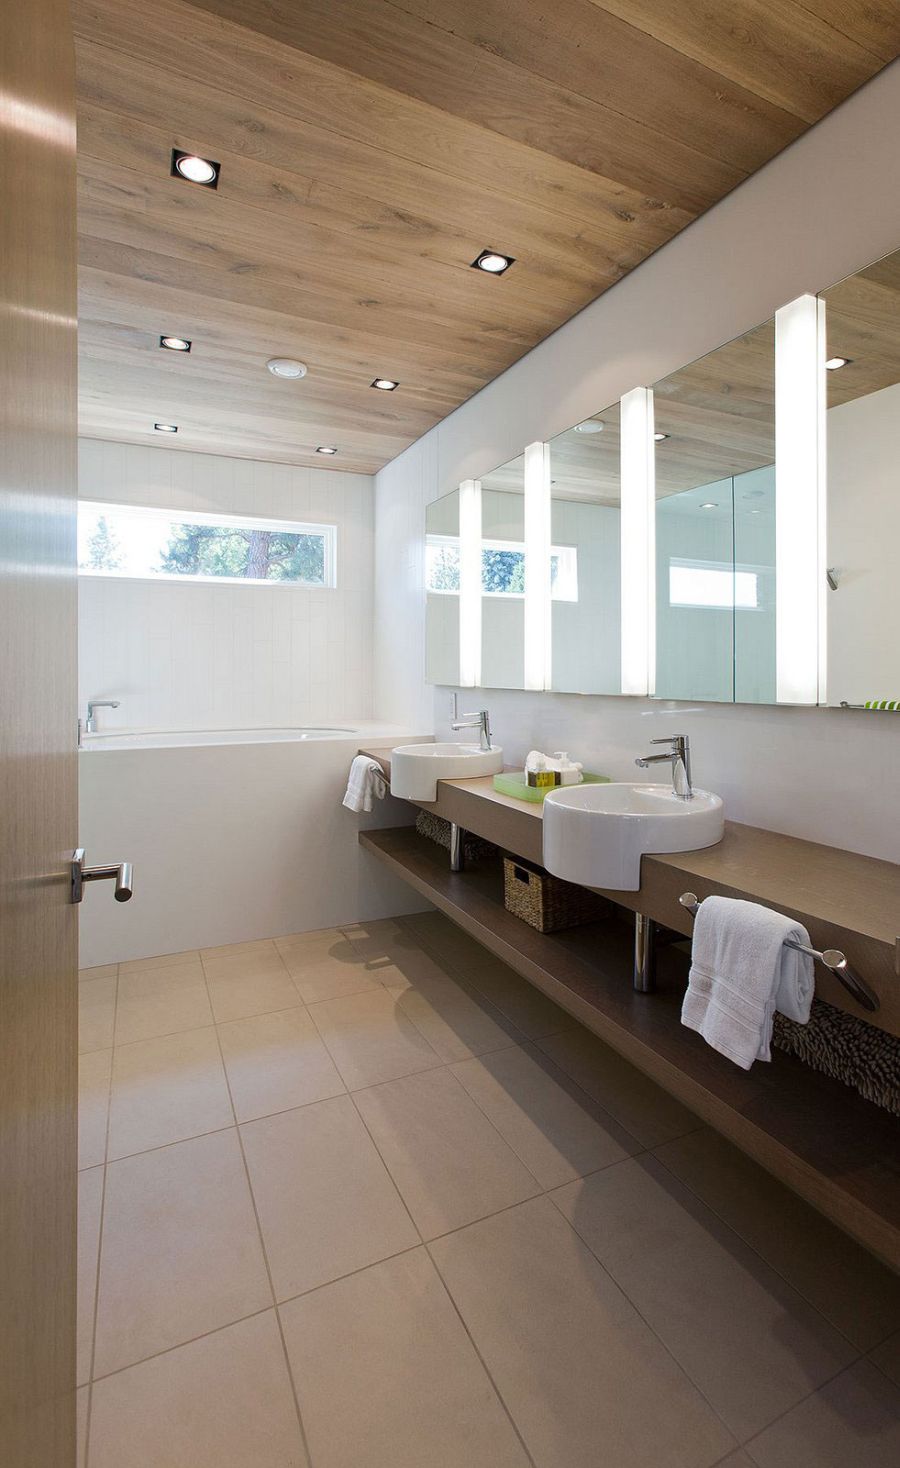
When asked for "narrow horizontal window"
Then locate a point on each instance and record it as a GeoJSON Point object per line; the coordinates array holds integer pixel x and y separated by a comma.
{"type": "Point", "coordinates": [502, 568]}
{"type": "Point", "coordinates": [712, 586]}
{"type": "Point", "coordinates": [166, 545]}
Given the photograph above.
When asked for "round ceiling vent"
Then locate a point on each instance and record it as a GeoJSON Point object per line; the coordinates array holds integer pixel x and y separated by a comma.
{"type": "Point", "coordinates": [591, 426]}
{"type": "Point", "coordinates": [286, 367]}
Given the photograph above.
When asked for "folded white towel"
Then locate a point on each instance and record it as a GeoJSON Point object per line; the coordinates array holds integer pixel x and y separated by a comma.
{"type": "Point", "coordinates": [741, 972]}
{"type": "Point", "coordinates": [366, 781]}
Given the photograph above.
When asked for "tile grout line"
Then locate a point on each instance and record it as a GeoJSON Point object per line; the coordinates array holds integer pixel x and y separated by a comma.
{"type": "Point", "coordinates": [96, 1310]}
{"type": "Point", "coordinates": [179, 1345]}
{"type": "Point", "coordinates": [259, 1229]}
{"type": "Point", "coordinates": [747, 1443]}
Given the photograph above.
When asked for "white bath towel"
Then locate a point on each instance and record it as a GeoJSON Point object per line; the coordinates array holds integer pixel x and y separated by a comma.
{"type": "Point", "coordinates": [366, 782]}
{"type": "Point", "coordinates": [741, 972]}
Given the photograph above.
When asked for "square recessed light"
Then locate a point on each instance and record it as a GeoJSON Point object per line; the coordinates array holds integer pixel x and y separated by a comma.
{"type": "Point", "coordinates": [165, 428]}
{"type": "Point", "coordinates": [384, 384]}
{"type": "Point", "coordinates": [195, 170]}
{"type": "Point", "coordinates": [324, 449]}
{"type": "Point", "coordinates": [175, 343]}
{"type": "Point", "coordinates": [834, 363]}
{"type": "Point", "coordinates": [492, 262]}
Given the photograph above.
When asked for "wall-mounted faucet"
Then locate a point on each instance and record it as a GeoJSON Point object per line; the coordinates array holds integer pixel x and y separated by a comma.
{"type": "Point", "coordinates": [480, 721]}
{"type": "Point", "coordinates": [679, 756]}
{"type": "Point", "coordinates": [90, 724]}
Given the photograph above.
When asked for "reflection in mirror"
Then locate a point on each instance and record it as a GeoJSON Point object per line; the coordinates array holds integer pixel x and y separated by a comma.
{"type": "Point", "coordinates": [862, 324]}
{"type": "Point", "coordinates": [585, 533]}
{"type": "Point", "coordinates": [442, 590]}
{"type": "Point", "coordinates": [503, 576]}
{"type": "Point", "coordinates": [715, 525]}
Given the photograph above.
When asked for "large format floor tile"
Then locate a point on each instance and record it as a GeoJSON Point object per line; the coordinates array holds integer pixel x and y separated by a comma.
{"type": "Point", "coordinates": [371, 1039]}
{"type": "Point", "coordinates": [585, 1379]}
{"type": "Point", "coordinates": [326, 1203]}
{"type": "Point", "coordinates": [90, 1203]}
{"type": "Point", "coordinates": [843, 1280]}
{"type": "Point", "coordinates": [94, 1074]}
{"type": "Point", "coordinates": [396, 960]}
{"type": "Point", "coordinates": [180, 1254]}
{"type": "Point", "coordinates": [159, 960]}
{"type": "Point", "coordinates": [162, 1001]}
{"type": "Point", "coordinates": [166, 1090]}
{"type": "Point", "coordinates": [96, 1013]}
{"type": "Point", "coordinates": [749, 1342]}
{"type": "Point", "coordinates": [644, 1109]}
{"type": "Point", "coordinates": [412, 1391]}
{"type": "Point", "coordinates": [325, 975]}
{"type": "Point", "coordinates": [556, 1129]}
{"type": "Point", "coordinates": [276, 1062]}
{"type": "Point", "coordinates": [81, 1426]}
{"type": "Point", "coordinates": [887, 1358]}
{"type": "Point", "coordinates": [530, 1010]}
{"type": "Point", "coordinates": [450, 1164]}
{"type": "Point", "coordinates": [853, 1422]}
{"type": "Point", "coordinates": [249, 983]}
{"type": "Point", "coordinates": [455, 1023]}
{"type": "Point", "coordinates": [221, 1402]}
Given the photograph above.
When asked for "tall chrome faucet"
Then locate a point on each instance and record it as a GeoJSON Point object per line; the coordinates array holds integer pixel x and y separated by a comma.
{"type": "Point", "coordinates": [90, 725]}
{"type": "Point", "coordinates": [679, 756]}
{"type": "Point", "coordinates": [480, 721]}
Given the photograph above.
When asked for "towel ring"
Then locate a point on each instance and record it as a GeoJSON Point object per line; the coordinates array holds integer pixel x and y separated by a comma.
{"type": "Point", "coordinates": [830, 958]}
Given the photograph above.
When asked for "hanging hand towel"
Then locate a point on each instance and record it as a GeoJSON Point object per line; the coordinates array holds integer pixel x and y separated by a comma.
{"type": "Point", "coordinates": [741, 972]}
{"type": "Point", "coordinates": [365, 783]}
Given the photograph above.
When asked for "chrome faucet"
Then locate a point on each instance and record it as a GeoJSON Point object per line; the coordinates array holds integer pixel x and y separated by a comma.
{"type": "Point", "coordinates": [679, 756]}
{"type": "Point", "coordinates": [480, 721]}
{"type": "Point", "coordinates": [90, 725]}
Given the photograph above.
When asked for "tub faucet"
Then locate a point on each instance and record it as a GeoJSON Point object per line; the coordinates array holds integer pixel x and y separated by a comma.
{"type": "Point", "coordinates": [679, 756]}
{"type": "Point", "coordinates": [480, 721]}
{"type": "Point", "coordinates": [90, 725]}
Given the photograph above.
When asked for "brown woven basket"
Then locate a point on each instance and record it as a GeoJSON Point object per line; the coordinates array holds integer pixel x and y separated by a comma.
{"type": "Point", "coordinates": [546, 902]}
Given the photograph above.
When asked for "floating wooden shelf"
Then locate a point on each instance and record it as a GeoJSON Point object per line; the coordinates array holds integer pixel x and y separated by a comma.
{"type": "Point", "coordinates": [836, 1150]}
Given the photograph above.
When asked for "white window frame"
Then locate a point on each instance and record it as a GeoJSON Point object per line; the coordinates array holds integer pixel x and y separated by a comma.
{"type": "Point", "coordinates": [567, 555]}
{"type": "Point", "coordinates": [725, 568]}
{"type": "Point", "coordinates": [328, 533]}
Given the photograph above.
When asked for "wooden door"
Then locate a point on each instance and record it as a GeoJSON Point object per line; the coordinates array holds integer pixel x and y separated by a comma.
{"type": "Point", "coordinates": [38, 926]}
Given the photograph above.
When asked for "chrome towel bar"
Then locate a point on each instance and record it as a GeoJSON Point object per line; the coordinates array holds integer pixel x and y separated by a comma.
{"type": "Point", "coordinates": [831, 958]}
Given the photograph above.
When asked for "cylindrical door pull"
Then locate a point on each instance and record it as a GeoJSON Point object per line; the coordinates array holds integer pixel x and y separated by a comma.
{"type": "Point", "coordinates": [122, 875]}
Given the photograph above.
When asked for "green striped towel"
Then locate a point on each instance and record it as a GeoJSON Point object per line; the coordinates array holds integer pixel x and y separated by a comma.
{"type": "Point", "coordinates": [890, 705]}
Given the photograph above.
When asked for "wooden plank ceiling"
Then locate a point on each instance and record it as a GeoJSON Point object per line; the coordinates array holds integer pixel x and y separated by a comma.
{"type": "Point", "coordinates": [370, 149]}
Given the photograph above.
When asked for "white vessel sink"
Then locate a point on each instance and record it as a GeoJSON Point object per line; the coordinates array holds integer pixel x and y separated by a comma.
{"type": "Point", "coordinates": [597, 834]}
{"type": "Point", "coordinates": [416, 768]}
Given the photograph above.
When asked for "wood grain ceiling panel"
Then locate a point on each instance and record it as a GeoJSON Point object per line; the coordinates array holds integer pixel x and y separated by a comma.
{"type": "Point", "coordinates": [369, 150]}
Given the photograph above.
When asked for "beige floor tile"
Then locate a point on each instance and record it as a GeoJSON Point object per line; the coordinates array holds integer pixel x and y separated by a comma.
{"type": "Point", "coordinates": [371, 1039]}
{"type": "Point", "coordinates": [853, 1422]}
{"type": "Point", "coordinates": [530, 1010]}
{"type": "Point", "coordinates": [275, 1062]}
{"type": "Point", "coordinates": [81, 1425]}
{"type": "Point", "coordinates": [221, 1402]}
{"type": "Point", "coordinates": [162, 1001]}
{"type": "Point", "coordinates": [102, 971]}
{"type": "Point", "coordinates": [249, 984]}
{"type": "Point", "coordinates": [254, 947]}
{"type": "Point", "coordinates": [644, 1109]}
{"type": "Point", "coordinates": [326, 1203]}
{"type": "Point", "coordinates": [748, 1341]}
{"type": "Point", "coordinates": [323, 976]}
{"type": "Point", "coordinates": [165, 1090]}
{"type": "Point", "coordinates": [450, 1164]}
{"type": "Point", "coordinates": [584, 1378]}
{"type": "Point", "coordinates": [94, 1073]}
{"type": "Point", "coordinates": [413, 1392]}
{"type": "Point", "coordinates": [839, 1277]}
{"type": "Point", "coordinates": [397, 961]}
{"type": "Point", "coordinates": [737, 1459]}
{"type": "Point", "coordinates": [181, 1253]}
{"type": "Point", "coordinates": [455, 1023]}
{"type": "Point", "coordinates": [90, 1204]}
{"type": "Point", "coordinates": [96, 1014]}
{"type": "Point", "coordinates": [378, 930]}
{"type": "Point", "coordinates": [317, 940]}
{"type": "Point", "coordinates": [442, 937]}
{"type": "Point", "coordinates": [159, 960]}
{"type": "Point", "coordinates": [887, 1358]}
{"type": "Point", "coordinates": [557, 1130]}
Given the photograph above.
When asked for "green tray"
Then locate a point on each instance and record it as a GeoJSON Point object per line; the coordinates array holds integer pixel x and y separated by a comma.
{"type": "Point", "coordinates": [512, 782]}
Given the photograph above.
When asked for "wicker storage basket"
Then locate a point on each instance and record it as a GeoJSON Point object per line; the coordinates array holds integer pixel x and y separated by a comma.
{"type": "Point", "coordinates": [546, 902]}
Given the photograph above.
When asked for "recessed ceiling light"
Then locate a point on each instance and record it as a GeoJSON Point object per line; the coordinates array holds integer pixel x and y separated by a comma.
{"type": "Point", "coordinates": [755, 512]}
{"type": "Point", "coordinates": [493, 262]}
{"type": "Point", "coordinates": [658, 437]}
{"type": "Point", "coordinates": [175, 343]}
{"type": "Point", "coordinates": [286, 367]}
{"type": "Point", "coordinates": [710, 505]}
{"type": "Point", "coordinates": [195, 170]}
{"type": "Point", "coordinates": [322, 449]}
{"type": "Point", "coordinates": [591, 426]}
{"type": "Point", "coordinates": [834, 363]}
{"type": "Point", "coordinates": [385, 384]}
{"type": "Point", "coordinates": [165, 428]}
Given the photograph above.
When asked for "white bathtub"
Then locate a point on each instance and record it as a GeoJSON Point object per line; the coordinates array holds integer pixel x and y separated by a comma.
{"type": "Point", "coordinates": [234, 834]}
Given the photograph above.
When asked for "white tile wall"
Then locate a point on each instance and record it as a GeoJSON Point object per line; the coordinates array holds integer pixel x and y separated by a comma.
{"type": "Point", "coordinates": [205, 656]}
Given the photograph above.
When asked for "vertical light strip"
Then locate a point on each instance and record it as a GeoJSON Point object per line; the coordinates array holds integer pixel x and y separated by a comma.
{"type": "Point", "coordinates": [537, 566]}
{"type": "Point", "coordinates": [799, 497]}
{"type": "Point", "coordinates": [638, 542]}
{"type": "Point", "coordinates": [470, 583]}
{"type": "Point", "coordinates": [822, 388]}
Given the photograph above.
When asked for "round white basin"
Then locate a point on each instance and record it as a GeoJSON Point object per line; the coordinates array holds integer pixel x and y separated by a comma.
{"type": "Point", "coordinates": [416, 768]}
{"type": "Point", "coordinates": [597, 834]}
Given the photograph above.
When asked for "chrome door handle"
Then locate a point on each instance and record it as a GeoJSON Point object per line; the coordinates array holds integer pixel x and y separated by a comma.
{"type": "Point", "coordinates": [122, 874]}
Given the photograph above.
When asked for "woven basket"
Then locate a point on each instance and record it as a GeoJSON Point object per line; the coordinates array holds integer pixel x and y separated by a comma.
{"type": "Point", "coordinates": [848, 1049]}
{"type": "Point", "coordinates": [546, 902]}
{"type": "Point", "coordinates": [435, 828]}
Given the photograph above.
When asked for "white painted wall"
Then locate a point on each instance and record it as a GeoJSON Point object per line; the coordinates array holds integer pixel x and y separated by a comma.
{"type": "Point", "coordinates": [823, 209]}
{"type": "Point", "coordinates": [203, 656]}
